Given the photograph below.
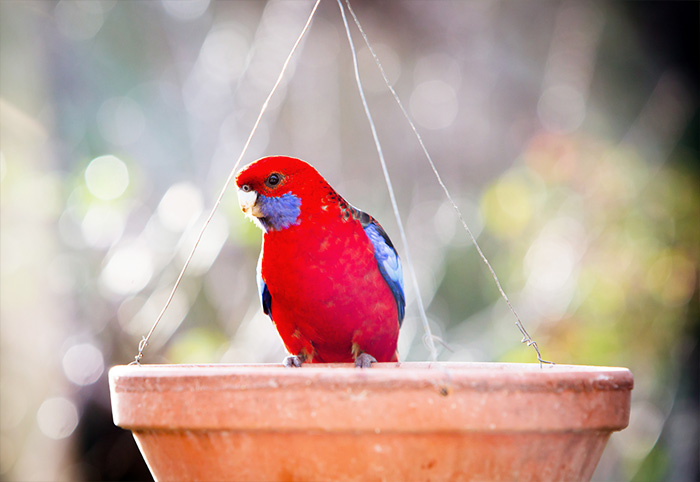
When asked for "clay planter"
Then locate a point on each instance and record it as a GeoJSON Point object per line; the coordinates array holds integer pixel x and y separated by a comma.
{"type": "Point", "coordinates": [393, 422]}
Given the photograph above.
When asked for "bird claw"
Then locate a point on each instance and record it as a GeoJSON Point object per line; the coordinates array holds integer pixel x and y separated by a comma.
{"type": "Point", "coordinates": [293, 361]}
{"type": "Point", "coordinates": [364, 360]}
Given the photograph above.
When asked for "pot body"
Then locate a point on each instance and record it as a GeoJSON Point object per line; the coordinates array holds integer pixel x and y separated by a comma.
{"type": "Point", "coordinates": [393, 422]}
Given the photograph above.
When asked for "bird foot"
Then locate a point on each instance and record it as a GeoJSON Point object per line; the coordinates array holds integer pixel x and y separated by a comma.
{"type": "Point", "coordinates": [293, 361]}
{"type": "Point", "coordinates": [364, 360]}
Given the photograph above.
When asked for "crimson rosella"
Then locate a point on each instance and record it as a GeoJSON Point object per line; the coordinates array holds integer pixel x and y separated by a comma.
{"type": "Point", "coordinates": [328, 275]}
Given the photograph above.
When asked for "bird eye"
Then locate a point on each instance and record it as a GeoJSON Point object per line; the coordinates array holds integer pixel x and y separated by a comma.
{"type": "Point", "coordinates": [273, 180]}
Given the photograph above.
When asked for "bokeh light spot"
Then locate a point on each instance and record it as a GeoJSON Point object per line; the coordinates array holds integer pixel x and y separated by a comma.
{"type": "Point", "coordinates": [671, 278]}
{"type": "Point", "coordinates": [561, 108]}
{"type": "Point", "coordinates": [83, 364]}
{"type": "Point", "coordinates": [180, 205]}
{"type": "Point", "coordinates": [107, 177]}
{"type": "Point", "coordinates": [434, 104]}
{"type": "Point", "coordinates": [57, 417]}
{"type": "Point", "coordinates": [128, 270]}
{"type": "Point", "coordinates": [209, 246]}
{"type": "Point", "coordinates": [507, 207]}
{"type": "Point", "coordinates": [79, 19]}
{"type": "Point", "coordinates": [552, 156]}
{"type": "Point", "coordinates": [197, 345]}
{"type": "Point", "coordinates": [549, 263]}
{"type": "Point", "coordinates": [102, 225]}
{"type": "Point", "coordinates": [186, 9]}
{"type": "Point", "coordinates": [224, 54]}
{"type": "Point", "coordinates": [605, 297]}
{"type": "Point", "coordinates": [136, 315]}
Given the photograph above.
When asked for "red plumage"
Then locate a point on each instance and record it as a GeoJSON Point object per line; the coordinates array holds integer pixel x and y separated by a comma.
{"type": "Point", "coordinates": [327, 296]}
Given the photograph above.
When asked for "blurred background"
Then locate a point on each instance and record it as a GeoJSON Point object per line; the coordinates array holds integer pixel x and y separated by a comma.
{"type": "Point", "coordinates": [566, 131]}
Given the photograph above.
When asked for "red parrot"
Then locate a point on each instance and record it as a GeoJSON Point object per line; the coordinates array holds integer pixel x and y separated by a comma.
{"type": "Point", "coordinates": [328, 275]}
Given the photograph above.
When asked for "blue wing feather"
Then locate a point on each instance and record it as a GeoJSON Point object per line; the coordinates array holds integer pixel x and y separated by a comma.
{"type": "Point", "coordinates": [388, 262]}
{"type": "Point", "coordinates": [265, 295]}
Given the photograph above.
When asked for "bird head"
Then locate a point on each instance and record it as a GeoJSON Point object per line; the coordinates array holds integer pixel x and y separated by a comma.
{"type": "Point", "coordinates": [271, 189]}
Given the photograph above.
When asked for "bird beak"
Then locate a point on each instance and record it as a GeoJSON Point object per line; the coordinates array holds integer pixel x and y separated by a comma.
{"type": "Point", "coordinates": [247, 200]}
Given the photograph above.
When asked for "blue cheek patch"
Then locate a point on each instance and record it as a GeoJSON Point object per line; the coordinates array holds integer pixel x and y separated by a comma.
{"type": "Point", "coordinates": [279, 212]}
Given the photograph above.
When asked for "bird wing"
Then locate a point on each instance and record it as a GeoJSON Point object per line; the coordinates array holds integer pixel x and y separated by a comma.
{"type": "Point", "coordinates": [265, 296]}
{"type": "Point", "coordinates": [387, 260]}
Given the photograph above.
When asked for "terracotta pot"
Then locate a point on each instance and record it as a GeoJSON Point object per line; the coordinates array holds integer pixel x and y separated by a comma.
{"type": "Point", "coordinates": [393, 422]}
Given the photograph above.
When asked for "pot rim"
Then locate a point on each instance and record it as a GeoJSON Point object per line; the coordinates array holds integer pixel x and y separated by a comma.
{"type": "Point", "coordinates": [489, 376]}
{"type": "Point", "coordinates": [393, 397]}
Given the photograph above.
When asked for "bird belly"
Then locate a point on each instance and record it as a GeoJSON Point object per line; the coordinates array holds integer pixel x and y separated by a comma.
{"type": "Point", "coordinates": [329, 299]}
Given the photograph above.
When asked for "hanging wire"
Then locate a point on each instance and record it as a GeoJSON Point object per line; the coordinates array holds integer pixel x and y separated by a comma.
{"type": "Point", "coordinates": [144, 340]}
{"type": "Point", "coordinates": [526, 336]}
{"type": "Point", "coordinates": [429, 338]}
